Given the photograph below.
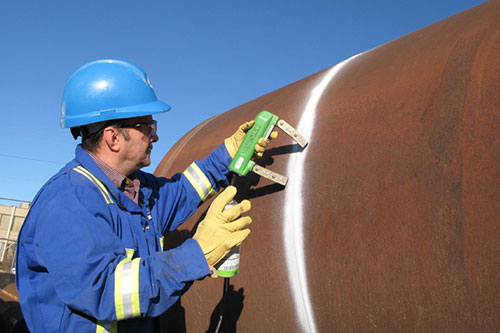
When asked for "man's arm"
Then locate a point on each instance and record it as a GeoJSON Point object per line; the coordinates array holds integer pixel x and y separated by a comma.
{"type": "Point", "coordinates": [91, 269]}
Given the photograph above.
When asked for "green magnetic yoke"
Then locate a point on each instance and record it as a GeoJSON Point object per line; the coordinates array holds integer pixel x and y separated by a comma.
{"type": "Point", "coordinates": [264, 123]}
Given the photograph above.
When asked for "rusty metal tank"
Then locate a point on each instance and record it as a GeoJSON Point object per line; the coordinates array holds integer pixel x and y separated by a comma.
{"type": "Point", "coordinates": [391, 218]}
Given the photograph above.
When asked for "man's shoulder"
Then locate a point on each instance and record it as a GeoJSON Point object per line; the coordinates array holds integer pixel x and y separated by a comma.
{"type": "Point", "coordinates": [70, 180]}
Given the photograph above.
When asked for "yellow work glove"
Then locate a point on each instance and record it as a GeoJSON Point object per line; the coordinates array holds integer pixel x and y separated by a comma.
{"type": "Point", "coordinates": [234, 142]}
{"type": "Point", "coordinates": [220, 231]}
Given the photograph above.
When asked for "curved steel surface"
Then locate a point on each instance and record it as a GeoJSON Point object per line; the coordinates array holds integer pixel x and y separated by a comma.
{"type": "Point", "coordinates": [391, 217]}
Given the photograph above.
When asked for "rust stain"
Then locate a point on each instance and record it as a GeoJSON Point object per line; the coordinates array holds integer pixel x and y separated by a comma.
{"type": "Point", "coordinates": [400, 196]}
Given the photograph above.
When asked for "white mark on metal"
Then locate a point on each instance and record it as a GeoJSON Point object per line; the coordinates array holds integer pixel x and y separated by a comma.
{"type": "Point", "coordinates": [293, 225]}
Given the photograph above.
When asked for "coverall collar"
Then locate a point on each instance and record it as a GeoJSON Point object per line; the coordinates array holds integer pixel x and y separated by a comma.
{"type": "Point", "coordinates": [83, 158]}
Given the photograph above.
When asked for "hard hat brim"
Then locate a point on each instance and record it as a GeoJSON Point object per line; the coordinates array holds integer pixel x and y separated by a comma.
{"type": "Point", "coordinates": [117, 113]}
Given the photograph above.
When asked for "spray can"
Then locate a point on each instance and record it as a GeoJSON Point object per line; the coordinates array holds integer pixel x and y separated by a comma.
{"type": "Point", "coordinates": [229, 266]}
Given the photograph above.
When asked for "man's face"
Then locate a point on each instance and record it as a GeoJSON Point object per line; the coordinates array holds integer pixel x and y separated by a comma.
{"type": "Point", "coordinates": [138, 141]}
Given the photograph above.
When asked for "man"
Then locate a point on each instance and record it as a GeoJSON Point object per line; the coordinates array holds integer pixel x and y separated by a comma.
{"type": "Point", "coordinates": [90, 254]}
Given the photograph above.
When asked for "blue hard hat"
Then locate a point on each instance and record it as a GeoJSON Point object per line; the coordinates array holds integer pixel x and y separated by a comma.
{"type": "Point", "coordinates": [105, 90]}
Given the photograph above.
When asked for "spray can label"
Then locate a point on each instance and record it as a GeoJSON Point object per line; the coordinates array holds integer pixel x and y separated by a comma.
{"type": "Point", "coordinates": [230, 265]}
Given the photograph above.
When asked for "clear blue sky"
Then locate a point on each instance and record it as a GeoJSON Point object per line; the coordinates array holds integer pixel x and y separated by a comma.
{"type": "Point", "coordinates": [203, 58]}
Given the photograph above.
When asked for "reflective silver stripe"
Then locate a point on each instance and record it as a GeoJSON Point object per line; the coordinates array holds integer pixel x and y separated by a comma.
{"type": "Point", "coordinates": [199, 181]}
{"type": "Point", "coordinates": [127, 280]}
{"type": "Point", "coordinates": [127, 289]}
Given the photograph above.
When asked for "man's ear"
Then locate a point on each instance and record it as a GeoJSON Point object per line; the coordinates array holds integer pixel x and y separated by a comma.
{"type": "Point", "coordinates": [111, 139]}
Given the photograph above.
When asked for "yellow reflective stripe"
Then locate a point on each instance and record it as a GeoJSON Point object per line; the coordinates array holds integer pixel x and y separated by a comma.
{"type": "Point", "coordinates": [127, 302]}
{"type": "Point", "coordinates": [199, 181]}
{"type": "Point", "coordinates": [103, 327]}
{"type": "Point", "coordinates": [97, 182]}
{"type": "Point", "coordinates": [162, 239]}
{"type": "Point", "coordinates": [118, 288]}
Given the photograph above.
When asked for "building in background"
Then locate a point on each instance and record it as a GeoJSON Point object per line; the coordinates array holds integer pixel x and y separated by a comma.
{"type": "Point", "coordinates": [11, 219]}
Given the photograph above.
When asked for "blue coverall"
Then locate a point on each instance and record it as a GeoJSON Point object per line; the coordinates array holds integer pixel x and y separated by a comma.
{"type": "Point", "coordinates": [90, 259]}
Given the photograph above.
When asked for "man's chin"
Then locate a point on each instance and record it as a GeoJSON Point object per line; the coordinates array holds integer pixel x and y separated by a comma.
{"type": "Point", "coordinates": [144, 163]}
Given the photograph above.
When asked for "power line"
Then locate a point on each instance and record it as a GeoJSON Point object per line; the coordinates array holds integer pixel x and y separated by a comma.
{"type": "Point", "coordinates": [31, 159]}
{"type": "Point", "coordinates": [16, 200]}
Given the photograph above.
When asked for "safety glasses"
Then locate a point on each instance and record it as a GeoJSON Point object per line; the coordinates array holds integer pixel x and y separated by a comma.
{"type": "Point", "coordinates": [149, 128]}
